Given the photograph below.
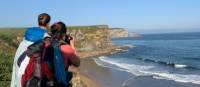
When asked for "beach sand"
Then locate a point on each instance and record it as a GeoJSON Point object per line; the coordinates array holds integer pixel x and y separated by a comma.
{"type": "Point", "coordinates": [97, 76]}
{"type": "Point", "coordinates": [81, 80]}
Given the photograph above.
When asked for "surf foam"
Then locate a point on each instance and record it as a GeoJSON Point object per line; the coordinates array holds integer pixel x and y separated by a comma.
{"type": "Point", "coordinates": [142, 70]}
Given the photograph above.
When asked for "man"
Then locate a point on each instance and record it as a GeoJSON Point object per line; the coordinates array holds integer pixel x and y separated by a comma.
{"type": "Point", "coordinates": [31, 35]}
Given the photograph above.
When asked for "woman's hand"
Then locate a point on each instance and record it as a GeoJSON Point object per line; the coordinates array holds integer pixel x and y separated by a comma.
{"type": "Point", "coordinates": [72, 42]}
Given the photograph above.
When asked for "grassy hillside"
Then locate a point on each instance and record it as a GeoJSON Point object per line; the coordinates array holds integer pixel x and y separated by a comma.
{"type": "Point", "coordinates": [6, 57]}
{"type": "Point", "coordinates": [8, 45]}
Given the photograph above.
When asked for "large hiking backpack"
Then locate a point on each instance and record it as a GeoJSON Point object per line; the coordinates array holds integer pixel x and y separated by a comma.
{"type": "Point", "coordinates": [55, 65]}
{"type": "Point", "coordinates": [59, 68]}
{"type": "Point", "coordinates": [32, 74]}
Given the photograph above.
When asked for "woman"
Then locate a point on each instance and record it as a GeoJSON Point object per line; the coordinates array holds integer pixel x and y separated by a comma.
{"type": "Point", "coordinates": [67, 49]}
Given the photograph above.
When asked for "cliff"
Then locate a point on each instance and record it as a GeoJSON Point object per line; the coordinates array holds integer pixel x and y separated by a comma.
{"type": "Point", "coordinates": [134, 34]}
{"type": "Point", "coordinates": [120, 33]}
{"type": "Point", "coordinates": [91, 37]}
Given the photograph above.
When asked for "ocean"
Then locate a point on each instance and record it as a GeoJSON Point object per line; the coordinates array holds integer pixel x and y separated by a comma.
{"type": "Point", "coordinates": [173, 56]}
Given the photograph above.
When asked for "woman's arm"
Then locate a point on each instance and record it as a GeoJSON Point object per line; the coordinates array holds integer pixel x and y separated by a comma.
{"type": "Point", "coordinates": [75, 60]}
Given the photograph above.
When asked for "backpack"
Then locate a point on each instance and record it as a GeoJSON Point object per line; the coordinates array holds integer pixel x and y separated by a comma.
{"type": "Point", "coordinates": [32, 74]}
{"type": "Point", "coordinates": [59, 68]}
{"type": "Point", "coordinates": [55, 65]}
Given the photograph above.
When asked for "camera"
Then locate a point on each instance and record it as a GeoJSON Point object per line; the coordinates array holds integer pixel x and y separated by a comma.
{"type": "Point", "coordinates": [68, 38]}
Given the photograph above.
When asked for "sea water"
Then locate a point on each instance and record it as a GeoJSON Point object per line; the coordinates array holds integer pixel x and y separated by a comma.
{"type": "Point", "coordinates": [173, 56]}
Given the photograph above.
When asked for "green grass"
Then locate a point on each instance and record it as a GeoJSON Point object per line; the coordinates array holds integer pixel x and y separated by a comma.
{"type": "Point", "coordinates": [8, 45]}
{"type": "Point", "coordinates": [9, 36]}
{"type": "Point", "coordinates": [6, 57]}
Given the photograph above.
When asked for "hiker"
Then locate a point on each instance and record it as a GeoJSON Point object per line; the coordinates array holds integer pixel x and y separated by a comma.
{"type": "Point", "coordinates": [31, 35]}
{"type": "Point", "coordinates": [50, 60]}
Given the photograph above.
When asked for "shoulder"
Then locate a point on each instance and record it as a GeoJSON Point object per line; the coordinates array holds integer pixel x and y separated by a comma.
{"type": "Point", "coordinates": [32, 28]}
{"type": "Point", "coordinates": [35, 29]}
{"type": "Point", "coordinates": [67, 49]}
{"type": "Point", "coordinates": [34, 34]}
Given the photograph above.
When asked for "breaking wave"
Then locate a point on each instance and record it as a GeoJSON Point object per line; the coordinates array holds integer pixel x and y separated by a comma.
{"type": "Point", "coordinates": [146, 70]}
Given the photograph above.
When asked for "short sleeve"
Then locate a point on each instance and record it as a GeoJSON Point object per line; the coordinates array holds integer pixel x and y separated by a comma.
{"type": "Point", "coordinates": [67, 51]}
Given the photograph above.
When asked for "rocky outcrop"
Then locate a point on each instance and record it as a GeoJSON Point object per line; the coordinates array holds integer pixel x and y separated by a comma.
{"type": "Point", "coordinates": [134, 34]}
{"type": "Point", "coordinates": [118, 32]}
{"type": "Point", "coordinates": [91, 37]}
{"type": "Point", "coordinates": [121, 33]}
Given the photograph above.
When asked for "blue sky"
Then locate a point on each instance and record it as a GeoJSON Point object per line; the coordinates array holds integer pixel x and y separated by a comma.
{"type": "Point", "coordinates": [143, 16]}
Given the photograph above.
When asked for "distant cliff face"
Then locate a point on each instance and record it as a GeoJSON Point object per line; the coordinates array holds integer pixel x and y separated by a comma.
{"type": "Point", "coordinates": [118, 32]}
{"type": "Point", "coordinates": [133, 34]}
{"type": "Point", "coordinates": [91, 37]}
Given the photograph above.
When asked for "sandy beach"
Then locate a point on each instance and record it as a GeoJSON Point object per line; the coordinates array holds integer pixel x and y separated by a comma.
{"type": "Point", "coordinates": [96, 76]}
{"type": "Point", "coordinates": [81, 77]}
{"type": "Point", "coordinates": [82, 80]}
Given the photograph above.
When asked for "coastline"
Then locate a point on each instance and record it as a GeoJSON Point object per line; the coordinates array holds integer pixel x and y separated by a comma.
{"type": "Point", "coordinates": [111, 77]}
{"type": "Point", "coordinates": [80, 78]}
{"type": "Point", "coordinates": [90, 74]}
{"type": "Point", "coordinates": [102, 51]}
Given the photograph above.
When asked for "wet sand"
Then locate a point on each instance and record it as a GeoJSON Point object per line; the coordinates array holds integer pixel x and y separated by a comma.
{"type": "Point", "coordinates": [107, 77]}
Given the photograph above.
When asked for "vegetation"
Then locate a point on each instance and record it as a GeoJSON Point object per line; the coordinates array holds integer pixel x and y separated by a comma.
{"type": "Point", "coordinates": [5, 67]}
{"type": "Point", "coordinates": [88, 27]}
{"type": "Point", "coordinates": [8, 45]}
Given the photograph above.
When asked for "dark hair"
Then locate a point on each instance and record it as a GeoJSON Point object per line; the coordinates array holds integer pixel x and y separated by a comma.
{"type": "Point", "coordinates": [43, 19]}
{"type": "Point", "coordinates": [63, 27]}
{"type": "Point", "coordinates": [58, 29]}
